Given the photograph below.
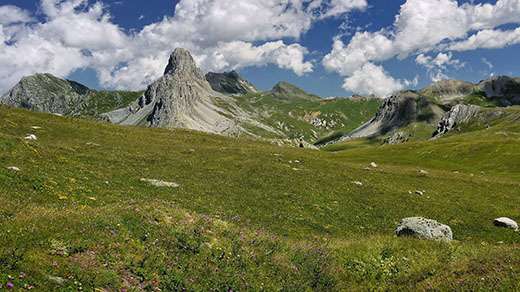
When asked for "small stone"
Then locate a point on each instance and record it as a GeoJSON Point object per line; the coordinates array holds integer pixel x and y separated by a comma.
{"type": "Point", "coordinates": [92, 144]}
{"type": "Point", "coordinates": [30, 137]}
{"type": "Point", "coordinates": [419, 193]}
{"type": "Point", "coordinates": [424, 228]}
{"type": "Point", "coordinates": [367, 168]}
{"type": "Point", "coordinates": [506, 223]}
{"type": "Point", "coordinates": [13, 168]}
{"type": "Point", "coordinates": [107, 182]}
{"type": "Point", "coordinates": [35, 127]}
{"type": "Point", "coordinates": [357, 183]}
{"type": "Point", "coordinates": [58, 280]}
{"type": "Point", "coordinates": [296, 169]}
{"type": "Point", "coordinates": [160, 183]}
{"type": "Point", "coordinates": [373, 164]}
{"type": "Point", "coordinates": [423, 171]}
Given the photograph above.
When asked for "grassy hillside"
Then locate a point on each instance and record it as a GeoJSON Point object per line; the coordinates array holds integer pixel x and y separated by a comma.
{"type": "Point", "coordinates": [249, 216]}
{"type": "Point", "coordinates": [293, 115]}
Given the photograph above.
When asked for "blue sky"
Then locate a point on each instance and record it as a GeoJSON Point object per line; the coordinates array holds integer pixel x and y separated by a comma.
{"type": "Point", "coordinates": [327, 47]}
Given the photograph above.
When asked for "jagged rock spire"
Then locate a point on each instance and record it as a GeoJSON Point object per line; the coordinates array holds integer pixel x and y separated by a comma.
{"type": "Point", "coordinates": [181, 63]}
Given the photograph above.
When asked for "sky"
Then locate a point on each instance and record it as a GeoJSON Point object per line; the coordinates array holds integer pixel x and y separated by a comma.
{"type": "Point", "coordinates": [326, 47]}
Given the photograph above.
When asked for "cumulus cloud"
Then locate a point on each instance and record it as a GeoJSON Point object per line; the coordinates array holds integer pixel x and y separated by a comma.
{"type": "Point", "coordinates": [221, 34]}
{"type": "Point", "coordinates": [372, 79]}
{"type": "Point", "coordinates": [488, 39]}
{"type": "Point", "coordinates": [423, 26]}
{"type": "Point", "coordinates": [438, 66]}
{"type": "Point", "coordinates": [10, 14]}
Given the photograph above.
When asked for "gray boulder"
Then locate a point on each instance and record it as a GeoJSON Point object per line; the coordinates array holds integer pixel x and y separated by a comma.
{"type": "Point", "coordinates": [506, 223]}
{"type": "Point", "coordinates": [424, 228]}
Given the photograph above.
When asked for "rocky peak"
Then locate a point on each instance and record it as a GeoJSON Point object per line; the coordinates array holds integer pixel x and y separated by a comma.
{"type": "Point", "coordinates": [182, 63]}
{"type": "Point", "coordinates": [230, 83]}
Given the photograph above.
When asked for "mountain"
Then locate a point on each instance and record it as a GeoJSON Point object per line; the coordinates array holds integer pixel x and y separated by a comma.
{"type": "Point", "coordinates": [415, 115]}
{"type": "Point", "coordinates": [47, 93]}
{"type": "Point", "coordinates": [181, 98]}
{"type": "Point", "coordinates": [395, 112]}
{"type": "Point", "coordinates": [287, 92]}
{"type": "Point", "coordinates": [221, 103]}
{"type": "Point", "coordinates": [230, 83]}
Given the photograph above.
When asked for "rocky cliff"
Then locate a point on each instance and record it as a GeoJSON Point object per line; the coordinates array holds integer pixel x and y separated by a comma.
{"type": "Point", "coordinates": [461, 113]}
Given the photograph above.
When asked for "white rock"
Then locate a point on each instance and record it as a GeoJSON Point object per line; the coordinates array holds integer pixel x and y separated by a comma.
{"type": "Point", "coordinates": [357, 183]}
{"type": "Point", "coordinates": [366, 168]}
{"type": "Point", "coordinates": [423, 171]}
{"type": "Point", "coordinates": [506, 222]}
{"type": "Point", "coordinates": [92, 144]}
{"type": "Point", "coordinates": [160, 183]}
{"type": "Point", "coordinates": [424, 228]}
{"type": "Point", "coordinates": [373, 164]}
{"type": "Point", "coordinates": [13, 168]}
{"type": "Point", "coordinates": [419, 193]}
{"type": "Point", "coordinates": [31, 137]}
{"type": "Point", "coordinates": [35, 127]}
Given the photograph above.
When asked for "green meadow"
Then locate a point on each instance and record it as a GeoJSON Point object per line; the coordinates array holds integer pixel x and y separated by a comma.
{"type": "Point", "coordinates": [250, 216]}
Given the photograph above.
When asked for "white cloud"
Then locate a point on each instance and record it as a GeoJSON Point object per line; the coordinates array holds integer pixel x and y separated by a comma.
{"type": "Point", "coordinates": [372, 79]}
{"type": "Point", "coordinates": [489, 64]}
{"type": "Point", "coordinates": [10, 14]}
{"type": "Point", "coordinates": [423, 26]}
{"type": "Point", "coordinates": [438, 66]}
{"type": "Point", "coordinates": [488, 39]}
{"type": "Point", "coordinates": [219, 33]}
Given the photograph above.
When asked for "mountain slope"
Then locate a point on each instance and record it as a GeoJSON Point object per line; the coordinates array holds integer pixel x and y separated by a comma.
{"type": "Point", "coordinates": [47, 93]}
{"type": "Point", "coordinates": [395, 112]}
{"type": "Point", "coordinates": [230, 83]}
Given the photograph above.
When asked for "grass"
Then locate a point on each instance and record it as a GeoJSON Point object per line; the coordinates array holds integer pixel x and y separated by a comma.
{"type": "Point", "coordinates": [292, 115]}
{"type": "Point", "coordinates": [77, 215]}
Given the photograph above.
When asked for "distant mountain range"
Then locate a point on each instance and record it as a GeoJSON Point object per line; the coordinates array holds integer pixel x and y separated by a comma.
{"type": "Point", "coordinates": [228, 104]}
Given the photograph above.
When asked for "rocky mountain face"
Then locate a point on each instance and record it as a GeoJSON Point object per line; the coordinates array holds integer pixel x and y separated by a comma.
{"type": "Point", "coordinates": [46, 93]}
{"type": "Point", "coordinates": [395, 112]}
{"type": "Point", "coordinates": [461, 113]}
{"type": "Point", "coordinates": [504, 89]}
{"type": "Point", "coordinates": [181, 98]}
{"type": "Point", "coordinates": [230, 83]}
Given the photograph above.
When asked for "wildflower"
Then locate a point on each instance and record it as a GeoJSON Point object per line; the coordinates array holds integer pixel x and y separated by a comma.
{"type": "Point", "coordinates": [191, 280]}
{"type": "Point", "coordinates": [216, 269]}
{"type": "Point", "coordinates": [10, 285]}
{"type": "Point", "coordinates": [147, 251]}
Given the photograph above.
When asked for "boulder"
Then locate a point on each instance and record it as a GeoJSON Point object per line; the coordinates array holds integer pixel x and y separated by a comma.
{"type": "Point", "coordinates": [424, 228]}
{"type": "Point", "coordinates": [506, 223]}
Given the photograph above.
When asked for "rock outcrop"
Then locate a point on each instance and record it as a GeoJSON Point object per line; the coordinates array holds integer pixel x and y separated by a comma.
{"type": "Point", "coordinates": [181, 98]}
{"type": "Point", "coordinates": [418, 227]}
{"type": "Point", "coordinates": [230, 83]}
{"type": "Point", "coordinates": [459, 114]}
